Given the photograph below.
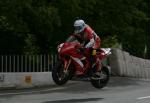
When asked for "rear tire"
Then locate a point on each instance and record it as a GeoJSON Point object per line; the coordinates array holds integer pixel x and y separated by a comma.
{"type": "Point", "coordinates": [59, 77]}
{"type": "Point", "coordinates": [100, 83]}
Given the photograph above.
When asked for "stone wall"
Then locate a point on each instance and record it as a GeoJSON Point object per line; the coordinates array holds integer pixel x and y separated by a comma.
{"type": "Point", "coordinates": [25, 80]}
{"type": "Point", "coordinates": [124, 64]}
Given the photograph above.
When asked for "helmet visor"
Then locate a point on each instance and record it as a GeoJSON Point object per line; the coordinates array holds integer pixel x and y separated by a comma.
{"type": "Point", "coordinates": [78, 29]}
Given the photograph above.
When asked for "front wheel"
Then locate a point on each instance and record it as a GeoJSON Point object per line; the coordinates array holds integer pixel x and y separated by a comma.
{"type": "Point", "coordinates": [101, 80]}
{"type": "Point", "coordinates": [58, 75]}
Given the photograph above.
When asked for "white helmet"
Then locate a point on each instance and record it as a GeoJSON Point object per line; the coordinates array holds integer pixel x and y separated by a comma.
{"type": "Point", "coordinates": [79, 26]}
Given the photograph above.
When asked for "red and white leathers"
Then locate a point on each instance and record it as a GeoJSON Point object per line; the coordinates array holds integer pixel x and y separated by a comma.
{"type": "Point", "coordinates": [89, 39]}
{"type": "Point", "coordinates": [92, 39]}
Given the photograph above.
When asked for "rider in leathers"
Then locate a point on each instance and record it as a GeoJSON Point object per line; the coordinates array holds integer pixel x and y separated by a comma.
{"type": "Point", "coordinates": [88, 38]}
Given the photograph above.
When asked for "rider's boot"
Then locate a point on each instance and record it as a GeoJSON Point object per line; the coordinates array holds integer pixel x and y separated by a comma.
{"type": "Point", "coordinates": [94, 60]}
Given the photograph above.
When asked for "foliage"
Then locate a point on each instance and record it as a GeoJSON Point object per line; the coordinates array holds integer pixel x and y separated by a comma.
{"type": "Point", "coordinates": [38, 26]}
{"type": "Point", "coordinates": [31, 47]}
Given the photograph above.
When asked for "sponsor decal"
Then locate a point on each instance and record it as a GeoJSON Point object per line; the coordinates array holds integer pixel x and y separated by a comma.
{"type": "Point", "coordinates": [28, 79]}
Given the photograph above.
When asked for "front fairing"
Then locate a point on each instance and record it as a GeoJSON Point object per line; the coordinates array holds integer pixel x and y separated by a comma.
{"type": "Point", "coordinates": [68, 48]}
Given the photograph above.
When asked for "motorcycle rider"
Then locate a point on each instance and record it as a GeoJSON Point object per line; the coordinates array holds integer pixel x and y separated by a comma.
{"type": "Point", "coordinates": [89, 39]}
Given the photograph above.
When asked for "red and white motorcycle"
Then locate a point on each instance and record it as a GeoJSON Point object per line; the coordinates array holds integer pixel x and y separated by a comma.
{"type": "Point", "coordinates": [65, 68]}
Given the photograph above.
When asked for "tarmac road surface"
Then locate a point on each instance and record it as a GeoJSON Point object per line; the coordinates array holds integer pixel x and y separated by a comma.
{"type": "Point", "coordinates": [118, 90]}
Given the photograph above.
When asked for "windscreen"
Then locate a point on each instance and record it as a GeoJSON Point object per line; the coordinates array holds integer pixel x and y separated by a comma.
{"type": "Point", "coordinates": [71, 39]}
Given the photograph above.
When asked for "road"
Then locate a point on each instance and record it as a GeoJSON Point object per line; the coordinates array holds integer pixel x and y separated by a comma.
{"type": "Point", "coordinates": [118, 90]}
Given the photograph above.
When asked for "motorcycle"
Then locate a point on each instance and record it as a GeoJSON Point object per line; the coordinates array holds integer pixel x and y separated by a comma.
{"type": "Point", "coordinates": [65, 68]}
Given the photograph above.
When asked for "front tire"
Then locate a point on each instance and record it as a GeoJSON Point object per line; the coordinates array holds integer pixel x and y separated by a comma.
{"type": "Point", "coordinates": [59, 77]}
{"type": "Point", "coordinates": [102, 80]}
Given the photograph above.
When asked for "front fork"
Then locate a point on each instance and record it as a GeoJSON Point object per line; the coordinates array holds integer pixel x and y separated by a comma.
{"type": "Point", "coordinates": [66, 65]}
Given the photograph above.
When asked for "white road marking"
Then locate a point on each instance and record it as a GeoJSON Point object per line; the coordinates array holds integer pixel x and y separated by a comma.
{"type": "Point", "coordinates": [30, 92]}
{"type": "Point", "coordinates": [143, 97]}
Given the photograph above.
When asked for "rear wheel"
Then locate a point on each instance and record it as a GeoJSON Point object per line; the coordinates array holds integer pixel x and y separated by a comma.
{"type": "Point", "coordinates": [58, 74]}
{"type": "Point", "coordinates": [102, 79]}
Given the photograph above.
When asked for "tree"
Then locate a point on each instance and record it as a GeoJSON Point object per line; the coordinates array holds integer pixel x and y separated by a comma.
{"type": "Point", "coordinates": [33, 26]}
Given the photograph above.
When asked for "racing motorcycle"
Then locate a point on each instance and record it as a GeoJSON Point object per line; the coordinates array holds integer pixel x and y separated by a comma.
{"type": "Point", "coordinates": [65, 68]}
